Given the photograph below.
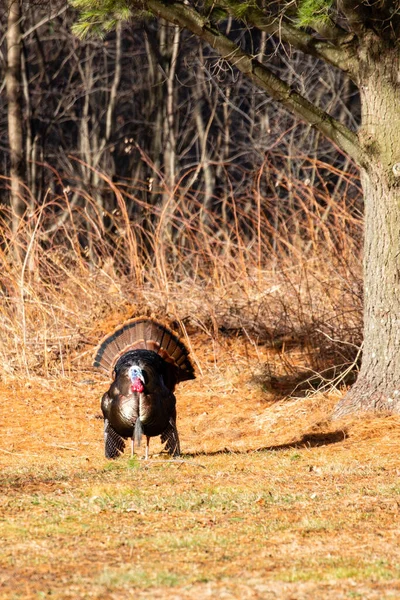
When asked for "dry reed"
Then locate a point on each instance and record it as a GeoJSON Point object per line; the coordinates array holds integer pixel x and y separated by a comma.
{"type": "Point", "coordinates": [278, 268]}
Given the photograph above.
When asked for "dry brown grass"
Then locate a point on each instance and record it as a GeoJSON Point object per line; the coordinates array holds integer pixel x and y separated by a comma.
{"type": "Point", "coordinates": [277, 274]}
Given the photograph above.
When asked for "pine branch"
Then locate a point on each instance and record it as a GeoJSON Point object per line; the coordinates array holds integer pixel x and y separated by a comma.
{"type": "Point", "coordinates": [187, 17]}
{"type": "Point", "coordinates": [338, 50]}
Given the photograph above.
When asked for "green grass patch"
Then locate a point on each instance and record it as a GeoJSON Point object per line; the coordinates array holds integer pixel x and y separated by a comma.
{"type": "Point", "coordinates": [141, 578]}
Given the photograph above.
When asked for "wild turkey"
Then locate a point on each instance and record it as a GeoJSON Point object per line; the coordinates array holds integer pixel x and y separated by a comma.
{"type": "Point", "coordinates": [146, 361]}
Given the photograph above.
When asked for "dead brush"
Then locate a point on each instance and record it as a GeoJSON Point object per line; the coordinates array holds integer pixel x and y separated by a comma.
{"type": "Point", "coordinates": [277, 268]}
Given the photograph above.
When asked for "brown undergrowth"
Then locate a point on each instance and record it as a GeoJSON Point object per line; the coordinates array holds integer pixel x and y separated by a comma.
{"type": "Point", "coordinates": [279, 270]}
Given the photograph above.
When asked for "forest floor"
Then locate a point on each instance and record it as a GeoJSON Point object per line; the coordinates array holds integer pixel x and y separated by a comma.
{"type": "Point", "coordinates": [271, 499]}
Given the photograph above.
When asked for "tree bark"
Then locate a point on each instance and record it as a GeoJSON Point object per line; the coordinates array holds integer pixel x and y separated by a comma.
{"type": "Point", "coordinates": [14, 97]}
{"type": "Point", "coordinates": [378, 383]}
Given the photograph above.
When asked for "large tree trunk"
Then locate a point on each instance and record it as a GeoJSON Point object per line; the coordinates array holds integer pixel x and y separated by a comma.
{"type": "Point", "coordinates": [378, 384]}
{"type": "Point", "coordinates": [14, 97]}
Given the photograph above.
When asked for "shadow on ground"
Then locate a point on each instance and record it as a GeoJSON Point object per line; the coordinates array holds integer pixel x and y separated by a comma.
{"type": "Point", "coordinates": [308, 440]}
{"type": "Point", "coordinates": [300, 383]}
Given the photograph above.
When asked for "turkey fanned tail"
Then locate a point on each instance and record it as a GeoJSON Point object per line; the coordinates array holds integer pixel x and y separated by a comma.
{"type": "Point", "coordinates": [144, 333]}
{"type": "Point", "coordinates": [114, 443]}
{"type": "Point", "coordinates": [171, 437]}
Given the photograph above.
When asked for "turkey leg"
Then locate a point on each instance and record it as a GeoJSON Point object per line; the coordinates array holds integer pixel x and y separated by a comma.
{"type": "Point", "coordinates": [146, 456]}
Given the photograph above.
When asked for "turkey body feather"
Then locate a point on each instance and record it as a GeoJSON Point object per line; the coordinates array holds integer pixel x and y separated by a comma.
{"type": "Point", "coordinates": [146, 361]}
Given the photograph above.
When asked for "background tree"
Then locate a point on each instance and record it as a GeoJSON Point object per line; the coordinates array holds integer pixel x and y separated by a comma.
{"type": "Point", "coordinates": [361, 39]}
{"type": "Point", "coordinates": [15, 121]}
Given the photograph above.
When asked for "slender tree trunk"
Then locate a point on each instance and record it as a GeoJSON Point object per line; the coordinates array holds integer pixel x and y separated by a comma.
{"type": "Point", "coordinates": [14, 97]}
{"type": "Point", "coordinates": [155, 46]}
{"type": "Point", "coordinates": [204, 158]}
{"type": "Point", "coordinates": [378, 384]}
{"type": "Point", "coordinates": [169, 122]}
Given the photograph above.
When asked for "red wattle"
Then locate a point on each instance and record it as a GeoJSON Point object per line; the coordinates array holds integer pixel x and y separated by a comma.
{"type": "Point", "coordinates": [137, 385]}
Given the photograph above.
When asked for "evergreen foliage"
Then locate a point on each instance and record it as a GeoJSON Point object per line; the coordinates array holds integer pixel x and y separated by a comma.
{"type": "Point", "coordinates": [97, 18]}
{"type": "Point", "coordinates": [313, 11]}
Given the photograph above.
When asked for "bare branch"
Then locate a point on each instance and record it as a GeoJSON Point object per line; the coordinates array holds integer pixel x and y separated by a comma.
{"type": "Point", "coordinates": [185, 16]}
{"type": "Point", "coordinates": [45, 20]}
{"type": "Point", "coordinates": [355, 13]}
{"type": "Point", "coordinates": [114, 86]}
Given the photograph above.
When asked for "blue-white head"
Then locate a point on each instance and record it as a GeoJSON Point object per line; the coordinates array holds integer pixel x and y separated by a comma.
{"type": "Point", "coordinates": [137, 378]}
